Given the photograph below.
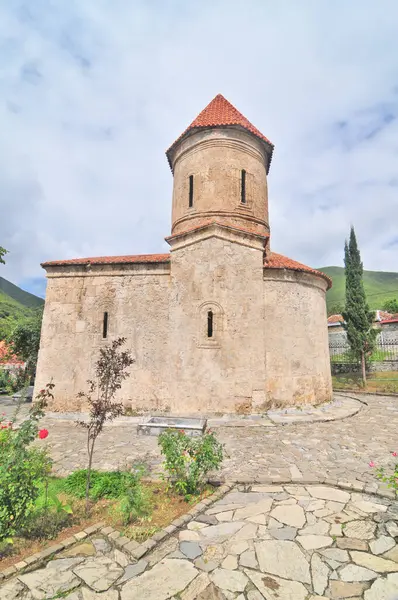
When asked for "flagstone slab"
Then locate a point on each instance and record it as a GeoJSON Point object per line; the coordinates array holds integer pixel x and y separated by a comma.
{"type": "Point", "coordinates": [382, 544]}
{"type": "Point", "coordinates": [163, 581]}
{"type": "Point", "coordinates": [45, 583]}
{"type": "Point", "coordinates": [336, 554]}
{"type": "Point", "coordinates": [347, 543]}
{"type": "Point", "coordinates": [285, 533]}
{"type": "Point", "coordinates": [369, 507]}
{"type": "Point", "coordinates": [248, 559]}
{"type": "Point", "coordinates": [289, 515]}
{"type": "Point", "coordinates": [328, 493]}
{"type": "Point", "coordinates": [190, 549]}
{"type": "Point", "coordinates": [392, 528]}
{"type": "Point", "coordinates": [86, 594]}
{"type": "Point", "coordinates": [361, 530]}
{"type": "Point", "coordinates": [233, 581]}
{"type": "Point", "coordinates": [274, 588]}
{"type": "Point", "coordinates": [343, 589]}
{"type": "Point", "coordinates": [392, 554]}
{"type": "Point", "coordinates": [384, 589]}
{"type": "Point", "coordinates": [313, 542]}
{"type": "Point", "coordinates": [284, 559]}
{"type": "Point", "coordinates": [319, 528]}
{"type": "Point", "coordinates": [253, 509]}
{"type": "Point", "coordinates": [221, 532]}
{"type": "Point", "coordinates": [99, 573]}
{"type": "Point", "coordinates": [375, 563]}
{"type": "Point", "coordinates": [355, 573]}
{"type": "Point", "coordinates": [14, 590]}
{"type": "Point", "coordinates": [320, 573]}
{"type": "Point", "coordinates": [196, 587]}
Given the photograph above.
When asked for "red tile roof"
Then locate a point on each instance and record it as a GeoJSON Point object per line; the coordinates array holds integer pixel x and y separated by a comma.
{"type": "Point", "coordinates": [278, 261]}
{"type": "Point", "coordinates": [112, 260]}
{"type": "Point", "coordinates": [219, 113]}
{"type": "Point", "coordinates": [334, 319]}
{"type": "Point", "coordinates": [275, 261]}
{"type": "Point", "coordinates": [6, 357]}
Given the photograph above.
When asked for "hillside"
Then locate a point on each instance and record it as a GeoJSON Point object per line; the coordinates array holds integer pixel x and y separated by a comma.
{"type": "Point", "coordinates": [20, 296]}
{"type": "Point", "coordinates": [14, 305]}
{"type": "Point", "coordinates": [379, 286]}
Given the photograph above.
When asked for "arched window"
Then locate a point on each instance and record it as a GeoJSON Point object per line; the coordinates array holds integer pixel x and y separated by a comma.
{"type": "Point", "coordinates": [210, 324]}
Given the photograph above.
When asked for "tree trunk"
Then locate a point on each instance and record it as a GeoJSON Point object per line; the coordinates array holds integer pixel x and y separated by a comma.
{"type": "Point", "coordinates": [90, 460]}
{"type": "Point", "coordinates": [363, 366]}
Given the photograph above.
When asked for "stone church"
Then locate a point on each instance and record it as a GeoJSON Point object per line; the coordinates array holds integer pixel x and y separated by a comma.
{"type": "Point", "coordinates": [221, 324]}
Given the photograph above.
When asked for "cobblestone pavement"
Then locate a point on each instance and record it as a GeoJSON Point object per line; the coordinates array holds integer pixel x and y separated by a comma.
{"type": "Point", "coordinates": [339, 450]}
{"type": "Point", "coordinates": [275, 542]}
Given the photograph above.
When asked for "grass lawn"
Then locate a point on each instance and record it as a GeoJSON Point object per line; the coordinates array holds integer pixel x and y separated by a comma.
{"type": "Point", "coordinates": [382, 382]}
{"type": "Point", "coordinates": [157, 507]}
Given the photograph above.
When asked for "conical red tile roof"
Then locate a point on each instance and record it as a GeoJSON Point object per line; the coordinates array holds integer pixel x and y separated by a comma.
{"type": "Point", "coordinates": [218, 113]}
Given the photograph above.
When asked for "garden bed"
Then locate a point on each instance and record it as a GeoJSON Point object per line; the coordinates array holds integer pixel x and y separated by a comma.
{"type": "Point", "coordinates": [162, 506]}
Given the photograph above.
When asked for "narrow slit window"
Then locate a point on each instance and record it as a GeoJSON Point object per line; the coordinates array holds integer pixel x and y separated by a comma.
{"type": "Point", "coordinates": [105, 325]}
{"type": "Point", "coordinates": [190, 191]}
{"type": "Point", "coordinates": [243, 187]}
{"type": "Point", "coordinates": [210, 324]}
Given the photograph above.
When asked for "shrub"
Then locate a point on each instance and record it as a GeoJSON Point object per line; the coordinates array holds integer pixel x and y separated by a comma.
{"type": "Point", "coordinates": [22, 467]}
{"type": "Point", "coordinates": [188, 460]}
{"type": "Point", "coordinates": [112, 484]}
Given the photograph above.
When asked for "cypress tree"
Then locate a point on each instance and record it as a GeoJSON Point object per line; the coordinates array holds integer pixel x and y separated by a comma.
{"type": "Point", "coordinates": [358, 319]}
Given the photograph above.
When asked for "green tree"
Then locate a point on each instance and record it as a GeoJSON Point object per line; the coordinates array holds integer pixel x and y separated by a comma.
{"type": "Point", "coordinates": [24, 340]}
{"type": "Point", "coordinates": [3, 252]}
{"type": "Point", "coordinates": [358, 318]}
{"type": "Point", "coordinates": [336, 309]}
{"type": "Point", "coordinates": [391, 306]}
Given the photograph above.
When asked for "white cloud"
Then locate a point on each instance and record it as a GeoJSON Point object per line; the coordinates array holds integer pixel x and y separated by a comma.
{"type": "Point", "coordinates": [94, 91]}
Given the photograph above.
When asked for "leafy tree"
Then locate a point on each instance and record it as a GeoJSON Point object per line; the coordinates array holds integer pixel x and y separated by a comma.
{"type": "Point", "coordinates": [110, 370]}
{"type": "Point", "coordinates": [24, 340]}
{"type": "Point", "coordinates": [3, 252]}
{"type": "Point", "coordinates": [391, 306]}
{"type": "Point", "coordinates": [358, 318]}
{"type": "Point", "coordinates": [336, 309]}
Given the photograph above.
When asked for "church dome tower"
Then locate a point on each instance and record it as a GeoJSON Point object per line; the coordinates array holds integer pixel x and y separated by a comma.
{"type": "Point", "coordinates": [220, 165]}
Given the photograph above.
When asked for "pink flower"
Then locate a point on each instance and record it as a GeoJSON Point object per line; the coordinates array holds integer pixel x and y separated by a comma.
{"type": "Point", "coordinates": [394, 454]}
{"type": "Point", "coordinates": [371, 464]}
{"type": "Point", "coordinates": [43, 433]}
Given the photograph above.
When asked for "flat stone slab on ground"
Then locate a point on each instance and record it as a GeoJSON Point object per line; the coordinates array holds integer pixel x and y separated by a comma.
{"type": "Point", "coordinates": [283, 558]}
{"type": "Point", "coordinates": [164, 580]}
{"type": "Point", "coordinates": [99, 573]}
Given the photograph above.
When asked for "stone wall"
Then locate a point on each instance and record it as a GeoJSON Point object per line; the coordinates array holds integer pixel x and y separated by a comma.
{"type": "Point", "coordinates": [227, 372]}
{"type": "Point", "coordinates": [215, 158]}
{"type": "Point", "coordinates": [296, 338]}
{"type": "Point", "coordinates": [136, 298]}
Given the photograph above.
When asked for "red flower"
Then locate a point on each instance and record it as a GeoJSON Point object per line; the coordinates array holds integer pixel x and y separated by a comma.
{"type": "Point", "coordinates": [43, 433]}
{"type": "Point", "coordinates": [371, 464]}
{"type": "Point", "coordinates": [394, 454]}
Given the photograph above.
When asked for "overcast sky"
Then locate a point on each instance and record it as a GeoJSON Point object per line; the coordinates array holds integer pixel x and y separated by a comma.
{"type": "Point", "coordinates": [92, 92]}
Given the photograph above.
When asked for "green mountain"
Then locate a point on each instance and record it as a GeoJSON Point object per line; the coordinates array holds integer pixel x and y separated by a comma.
{"type": "Point", "coordinates": [20, 296]}
{"type": "Point", "coordinates": [14, 305]}
{"type": "Point", "coordinates": [379, 286]}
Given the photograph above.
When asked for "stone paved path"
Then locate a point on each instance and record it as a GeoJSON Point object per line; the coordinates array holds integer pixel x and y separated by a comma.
{"type": "Point", "coordinates": [275, 542]}
{"type": "Point", "coordinates": [339, 450]}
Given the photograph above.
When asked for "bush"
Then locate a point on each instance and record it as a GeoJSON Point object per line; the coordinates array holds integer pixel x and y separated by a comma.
{"type": "Point", "coordinates": [188, 460]}
{"type": "Point", "coordinates": [45, 523]}
{"type": "Point", "coordinates": [22, 467]}
{"type": "Point", "coordinates": [112, 484]}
